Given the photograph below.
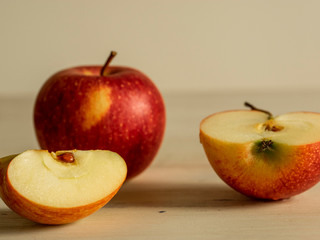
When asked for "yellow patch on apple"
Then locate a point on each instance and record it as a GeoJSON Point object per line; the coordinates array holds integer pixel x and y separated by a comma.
{"type": "Point", "coordinates": [96, 105]}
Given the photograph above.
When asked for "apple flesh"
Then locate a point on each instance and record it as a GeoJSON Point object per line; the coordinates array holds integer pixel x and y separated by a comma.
{"type": "Point", "coordinates": [262, 156]}
{"type": "Point", "coordinates": [60, 187]}
{"type": "Point", "coordinates": [93, 107]}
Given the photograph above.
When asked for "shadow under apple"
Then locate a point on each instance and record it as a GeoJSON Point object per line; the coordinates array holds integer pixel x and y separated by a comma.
{"type": "Point", "coordinates": [15, 224]}
{"type": "Point", "coordinates": [151, 195]}
{"type": "Point", "coordinates": [181, 196]}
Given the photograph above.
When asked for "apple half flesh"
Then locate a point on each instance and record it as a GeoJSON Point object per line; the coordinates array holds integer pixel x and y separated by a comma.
{"type": "Point", "coordinates": [60, 187]}
{"type": "Point", "coordinates": [262, 156]}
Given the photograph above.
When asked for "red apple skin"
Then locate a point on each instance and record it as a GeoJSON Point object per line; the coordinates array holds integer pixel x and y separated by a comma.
{"type": "Point", "coordinates": [44, 214]}
{"type": "Point", "coordinates": [293, 170]}
{"type": "Point", "coordinates": [123, 112]}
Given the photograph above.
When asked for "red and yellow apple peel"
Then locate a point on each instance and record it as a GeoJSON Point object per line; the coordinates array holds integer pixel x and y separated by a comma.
{"type": "Point", "coordinates": [102, 107]}
{"type": "Point", "coordinates": [62, 187]}
{"type": "Point", "coordinates": [263, 156]}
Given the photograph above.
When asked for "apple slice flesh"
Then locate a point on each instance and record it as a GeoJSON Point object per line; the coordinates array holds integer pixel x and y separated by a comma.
{"type": "Point", "coordinates": [245, 126]}
{"type": "Point", "coordinates": [38, 185]}
{"type": "Point", "coordinates": [261, 157]}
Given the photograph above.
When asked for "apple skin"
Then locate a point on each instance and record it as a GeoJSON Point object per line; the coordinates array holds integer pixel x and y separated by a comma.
{"type": "Point", "coordinates": [123, 111]}
{"type": "Point", "coordinates": [40, 213]}
{"type": "Point", "coordinates": [290, 171]}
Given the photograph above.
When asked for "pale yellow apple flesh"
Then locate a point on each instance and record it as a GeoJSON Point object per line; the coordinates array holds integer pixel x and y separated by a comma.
{"type": "Point", "coordinates": [245, 126]}
{"type": "Point", "coordinates": [263, 157]}
{"type": "Point", "coordinates": [38, 185]}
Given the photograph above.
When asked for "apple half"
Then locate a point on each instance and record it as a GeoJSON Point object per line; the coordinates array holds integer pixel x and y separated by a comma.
{"type": "Point", "coordinates": [60, 187]}
{"type": "Point", "coordinates": [263, 156]}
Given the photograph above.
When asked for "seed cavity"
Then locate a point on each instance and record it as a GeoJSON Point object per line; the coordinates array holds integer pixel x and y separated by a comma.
{"type": "Point", "coordinates": [273, 128]}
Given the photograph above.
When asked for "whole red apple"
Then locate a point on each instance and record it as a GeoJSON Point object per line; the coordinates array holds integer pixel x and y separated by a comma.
{"type": "Point", "coordinates": [102, 107]}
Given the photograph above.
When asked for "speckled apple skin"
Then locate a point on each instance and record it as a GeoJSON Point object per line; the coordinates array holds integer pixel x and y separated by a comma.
{"type": "Point", "coordinates": [291, 171]}
{"type": "Point", "coordinates": [40, 213]}
{"type": "Point", "coordinates": [123, 112]}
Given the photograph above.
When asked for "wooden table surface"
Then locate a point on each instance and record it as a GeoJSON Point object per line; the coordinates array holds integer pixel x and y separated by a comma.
{"type": "Point", "coordinates": [179, 196]}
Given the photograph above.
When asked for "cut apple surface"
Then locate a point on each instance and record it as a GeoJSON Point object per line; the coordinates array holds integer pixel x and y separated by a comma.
{"type": "Point", "coordinates": [243, 126]}
{"type": "Point", "coordinates": [263, 156]}
{"type": "Point", "coordinates": [60, 187]}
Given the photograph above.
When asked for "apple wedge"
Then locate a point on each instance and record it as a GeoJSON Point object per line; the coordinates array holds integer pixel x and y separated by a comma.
{"type": "Point", "coordinates": [60, 187]}
{"type": "Point", "coordinates": [263, 156]}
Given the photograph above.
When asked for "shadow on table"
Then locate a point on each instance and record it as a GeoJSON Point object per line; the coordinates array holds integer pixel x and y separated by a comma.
{"type": "Point", "coordinates": [14, 224]}
{"type": "Point", "coordinates": [191, 196]}
{"type": "Point", "coordinates": [141, 194]}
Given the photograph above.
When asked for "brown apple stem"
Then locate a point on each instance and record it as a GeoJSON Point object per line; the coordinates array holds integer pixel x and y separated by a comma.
{"type": "Point", "coordinates": [258, 109]}
{"type": "Point", "coordinates": [105, 66]}
{"type": "Point", "coordinates": [66, 157]}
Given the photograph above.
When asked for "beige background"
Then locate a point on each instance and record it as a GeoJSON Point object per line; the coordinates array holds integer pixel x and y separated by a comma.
{"type": "Point", "coordinates": [182, 45]}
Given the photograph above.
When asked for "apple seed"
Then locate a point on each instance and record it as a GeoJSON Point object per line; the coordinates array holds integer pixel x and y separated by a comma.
{"type": "Point", "coordinates": [270, 125]}
{"type": "Point", "coordinates": [274, 128]}
{"type": "Point", "coordinates": [66, 157]}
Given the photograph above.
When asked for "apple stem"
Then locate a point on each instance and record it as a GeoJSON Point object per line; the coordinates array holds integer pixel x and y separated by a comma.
{"type": "Point", "coordinates": [105, 66]}
{"type": "Point", "coordinates": [258, 109]}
